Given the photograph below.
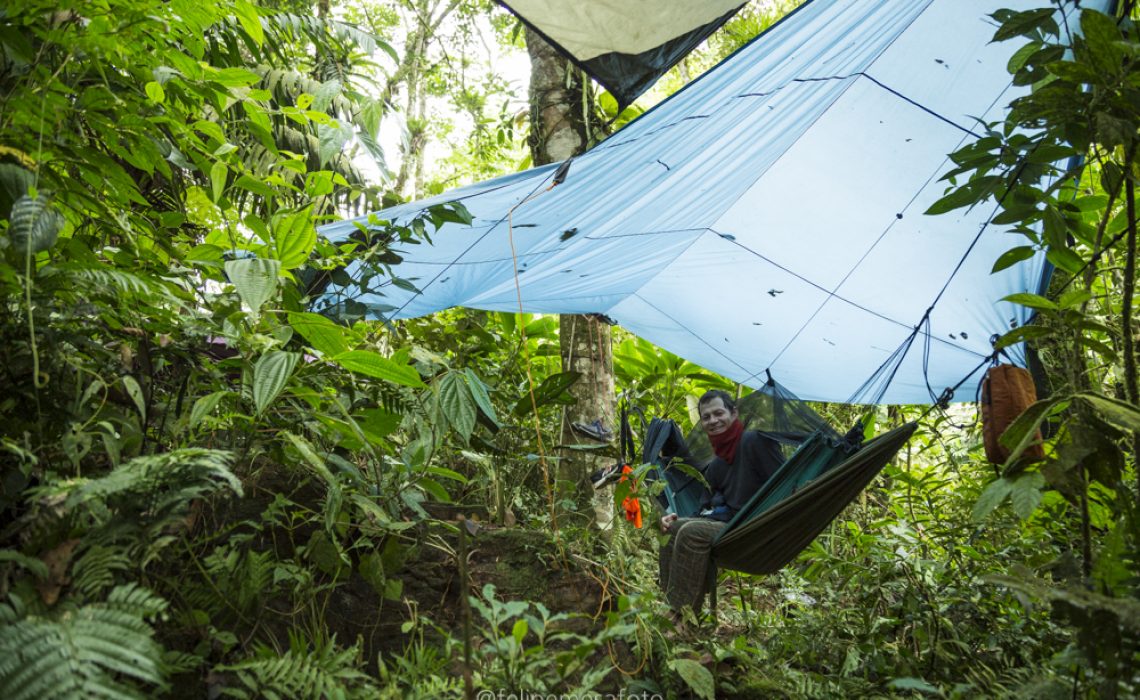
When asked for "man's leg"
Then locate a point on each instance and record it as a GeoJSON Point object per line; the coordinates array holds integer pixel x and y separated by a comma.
{"type": "Point", "coordinates": [685, 561]}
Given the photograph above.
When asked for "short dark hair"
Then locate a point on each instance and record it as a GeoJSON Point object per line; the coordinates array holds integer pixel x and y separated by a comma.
{"type": "Point", "coordinates": [729, 402]}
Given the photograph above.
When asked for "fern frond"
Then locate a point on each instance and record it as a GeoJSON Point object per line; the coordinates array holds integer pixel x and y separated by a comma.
{"type": "Point", "coordinates": [155, 486]}
{"type": "Point", "coordinates": [98, 650]}
{"type": "Point", "coordinates": [105, 280]}
{"type": "Point", "coordinates": [95, 570]}
{"type": "Point", "coordinates": [328, 672]}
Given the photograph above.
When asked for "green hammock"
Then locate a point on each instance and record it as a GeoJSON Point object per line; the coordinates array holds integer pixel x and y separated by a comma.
{"type": "Point", "coordinates": [809, 490]}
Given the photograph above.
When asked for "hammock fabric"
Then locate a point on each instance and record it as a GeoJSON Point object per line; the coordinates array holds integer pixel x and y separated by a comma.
{"type": "Point", "coordinates": [809, 491]}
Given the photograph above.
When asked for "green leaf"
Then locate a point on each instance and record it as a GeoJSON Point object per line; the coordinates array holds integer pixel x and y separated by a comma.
{"type": "Point", "coordinates": [250, 21]}
{"type": "Point", "coordinates": [991, 498]}
{"type": "Point", "coordinates": [372, 364]}
{"type": "Point", "coordinates": [1019, 59]}
{"type": "Point", "coordinates": [393, 589]}
{"type": "Point", "coordinates": [204, 406]}
{"type": "Point", "coordinates": [372, 571]}
{"type": "Point", "coordinates": [32, 564]}
{"type": "Point", "coordinates": [255, 280]}
{"type": "Point", "coordinates": [1023, 430]}
{"type": "Point", "coordinates": [1065, 259]}
{"type": "Point", "coordinates": [235, 77]}
{"type": "Point", "coordinates": [294, 237]}
{"type": "Point", "coordinates": [33, 223]}
{"type": "Point", "coordinates": [332, 138]}
{"type": "Point", "coordinates": [457, 403]}
{"type": "Point", "coordinates": [322, 334]}
{"type": "Point", "coordinates": [136, 393]}
{"type": "Point", "coordinates": [1022, 334]}
{"type": "Point", "coordinates": [1025, 493]}
{"type": "Point", "coordinates": [270, 374]}
{"type": "Point", "coordinates": [434, 488]}
{"type": "Point", "coordinates": [325, 94]}
{"type": "Point", "coordinates": [482, 398]}
{"type": "Point", "coordinates": [1073, 298]}
{"type": "Point", "coordinates": [1023, 23]}
{"type": "Point", "coordinates": [551, 390]}
{"type": "Point", "coordinates": [309, 454]}
{"type": "Point", "coordinates": [447, 474]}
{"type": "Point", "coordinates": [519, 630]}
{"type": "Point", "coordinates": [155, 92]}
{"type": "Point", "coordinates": [252, 184]}
{"type": "Point", "coordinates": [1013, 256]}
{"type": "Point", "coordinates": [1103, 37]}
{"type": "Point", "coordinates": [376, 423]}
{"type": "Point", "coordinates": [1119, 413]}
{"type": "Point", "coordinates": [697, 677]}
{"type": "Point", "coordinates": [914, 684]}
{"type": "Point", "coordinates": [218, 172]}
{"type": "Point", "coordinates": [958, 198]}
{"type": "Point", "coordinates": [1033, 301]}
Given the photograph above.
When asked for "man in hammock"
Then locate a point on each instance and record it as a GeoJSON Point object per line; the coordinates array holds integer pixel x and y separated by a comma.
{"type": "Point", "coordinates": [744, 461]}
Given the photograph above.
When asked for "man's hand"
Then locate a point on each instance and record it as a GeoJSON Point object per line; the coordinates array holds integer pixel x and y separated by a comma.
{"type": "Point", "coordinates": [668, 521]}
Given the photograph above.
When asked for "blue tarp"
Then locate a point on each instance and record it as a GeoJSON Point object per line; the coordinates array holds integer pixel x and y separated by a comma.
{"type": "Point", "coordinates": [768, 217]}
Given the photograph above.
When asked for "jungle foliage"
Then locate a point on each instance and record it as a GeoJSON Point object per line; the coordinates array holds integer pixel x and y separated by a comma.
{"type": "Point", "coordinates": [197, 471]}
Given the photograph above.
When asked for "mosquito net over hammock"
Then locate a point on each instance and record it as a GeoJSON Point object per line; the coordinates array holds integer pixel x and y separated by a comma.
{"type": "Point", "coordinates": [824, 471]}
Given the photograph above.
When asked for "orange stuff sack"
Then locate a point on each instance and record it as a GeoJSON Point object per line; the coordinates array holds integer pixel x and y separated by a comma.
{"type": "Point", "coordinates": [631, 505]}
{"type": "Point", "coordinates": [1006, 392]}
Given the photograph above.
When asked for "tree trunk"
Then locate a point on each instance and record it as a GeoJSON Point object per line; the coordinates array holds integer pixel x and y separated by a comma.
{"type": "Point", "coordinates": [425, 18]}
{"type": "Point", "coordinates": [561, 123]}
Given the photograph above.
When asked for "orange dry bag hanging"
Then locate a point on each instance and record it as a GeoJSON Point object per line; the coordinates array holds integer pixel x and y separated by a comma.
{"type": "Point", "coordinates": [1007, 391]}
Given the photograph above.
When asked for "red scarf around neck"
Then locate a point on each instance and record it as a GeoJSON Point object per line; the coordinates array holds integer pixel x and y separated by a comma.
{"type": "Point", "coordinates": [726, 443]}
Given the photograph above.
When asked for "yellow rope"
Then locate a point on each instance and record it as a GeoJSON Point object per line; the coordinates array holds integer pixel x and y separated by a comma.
{"type": "Point", "coordinates": [526, 358]}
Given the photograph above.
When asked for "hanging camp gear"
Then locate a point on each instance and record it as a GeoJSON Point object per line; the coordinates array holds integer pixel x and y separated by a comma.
{"type": "Point", "coordinates": [1006, 392]}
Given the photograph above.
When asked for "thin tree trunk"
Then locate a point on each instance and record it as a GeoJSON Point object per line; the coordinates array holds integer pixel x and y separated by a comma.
{"type": "Point", "coordinates": [1129, 347]}
{"type": "Point", "coordinates": [559, 129]}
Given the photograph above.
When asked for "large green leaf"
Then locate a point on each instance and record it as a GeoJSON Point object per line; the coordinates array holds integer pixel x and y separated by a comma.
{"type": "Point", "coordinates": [325, 336]}
{"type": "Point", "coordinates": [204, 406]}
{"type": "Point", "coordinates": [1023, 431]}
{"type": "Point", "coordinates": [696, 676]}
{"type": "Point", "coordinates": [250, 22]}
{"type": "Point", "coordinates": [1033, 301]}
{"type": "Point", "coordinates": [270, 374]}
{"type": "Point", "coordinates": [1103, 39]}
{"type": "Point", "coordinates": [255, 280]}
{"type": "Point", "coordinates": [332, 138]}
{"type": "Point", "coordinates": [372, 364]}
{"type": "Point", "coordinates": [309, 454]}
{"type": "Point", "coordinates": [294, 237]}
{"type": "Point", "coordinates": [1025, 493]}
{"type": "Point", "coordinates": [218, 173]}
{"type": "Point", "coordinates": [991, 498]}
{"type": "Point", "coordinates": [481, 396]}
{"type": "Point", "coordinates": [135, 391]}
{"type": "Point", "coordinates": [1013, 256]}
{"type": "Point", "coordinates": [33, 223]}
{"type": "Point", "coordinates": [1119, 413]}
{"type": "Point", "coordinates": [457, 403]}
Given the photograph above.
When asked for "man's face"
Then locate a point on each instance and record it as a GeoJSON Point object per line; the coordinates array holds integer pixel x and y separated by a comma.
{"type": "Point", "coordinates": [715, 418]}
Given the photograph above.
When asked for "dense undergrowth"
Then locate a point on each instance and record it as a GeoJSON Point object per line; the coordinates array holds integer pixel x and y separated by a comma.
{"type": "Point", "coordinates": [208, 490]}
